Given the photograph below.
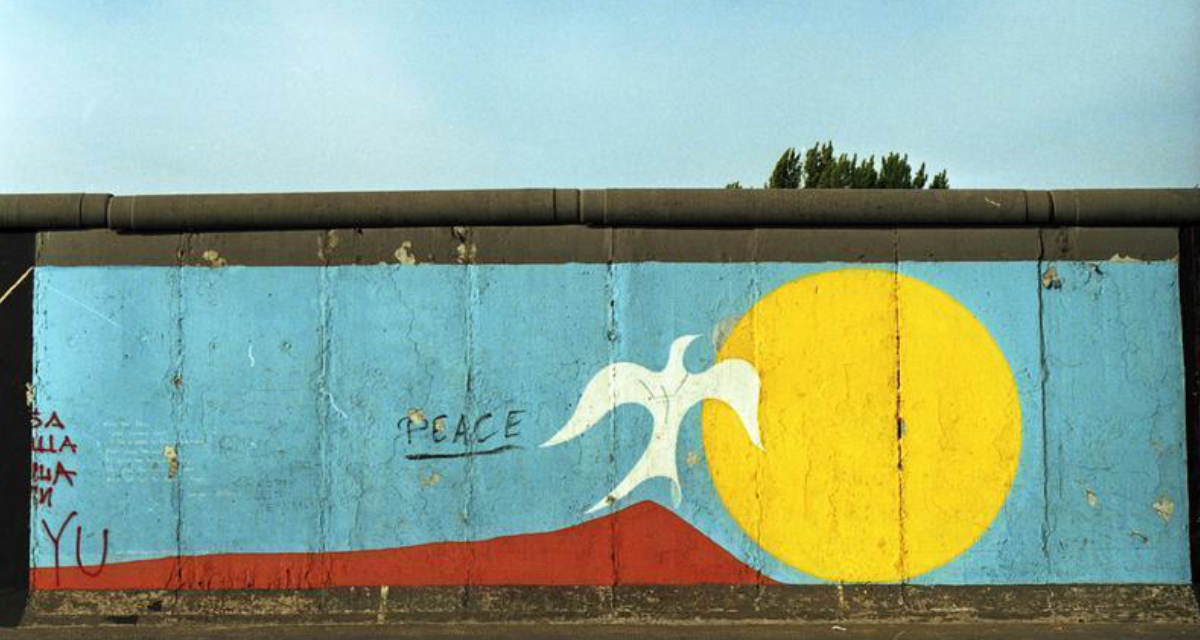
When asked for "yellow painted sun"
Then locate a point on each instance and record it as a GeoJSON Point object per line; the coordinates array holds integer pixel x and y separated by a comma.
{"type": "Point", "coordinates": [890, 424]}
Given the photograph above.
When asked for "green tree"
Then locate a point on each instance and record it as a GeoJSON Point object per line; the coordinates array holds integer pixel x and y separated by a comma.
{"type": "Point", "coordinates": [821, 168]}
{"type": "Point", "coordinates": [787, 172]}
{"type": "Point", "coordinates": [865, 176]}
{"type": "Point", "coordinates": [940, 181]}
{"type": "Point", "coordinates": [817, 164]}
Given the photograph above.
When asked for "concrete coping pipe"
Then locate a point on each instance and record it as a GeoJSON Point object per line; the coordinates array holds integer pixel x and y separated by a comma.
{"type": "Point", "coordinates": [604, 207]}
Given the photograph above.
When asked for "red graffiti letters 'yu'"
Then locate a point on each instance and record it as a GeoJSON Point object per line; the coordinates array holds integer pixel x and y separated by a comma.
{"type": "Point", "coordinates": [44, 479]}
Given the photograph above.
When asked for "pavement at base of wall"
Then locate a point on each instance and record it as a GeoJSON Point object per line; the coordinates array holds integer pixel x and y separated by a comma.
{"type": "Point", "coordinates": [614, 631]}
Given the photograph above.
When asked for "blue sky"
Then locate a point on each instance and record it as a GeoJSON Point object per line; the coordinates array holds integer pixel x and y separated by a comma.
{"type": "Point", "coordinates": [161, 97]}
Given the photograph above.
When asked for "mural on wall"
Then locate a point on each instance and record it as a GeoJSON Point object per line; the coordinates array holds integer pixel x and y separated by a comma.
{"type": "Point", "coordinates": [667, 395]}
{"type": "Point", "coordinates": [641, 423]}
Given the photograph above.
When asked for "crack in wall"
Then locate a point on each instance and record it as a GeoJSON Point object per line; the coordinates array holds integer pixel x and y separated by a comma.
{"type": "Point", "coordinates": [178, 406]}
{"type": "Point", "coordinates": [611, 334]}
{"type": "Point", "coordinates": [1044, 378]}
{"type": "Point", "coordinates": [898, 418]}
{"type": "Point", "coordinates": [466, 236]}
{"type": "Point", "coordinates": [759, 556]}
{"type": "Point", "coordinates": [325, 364]}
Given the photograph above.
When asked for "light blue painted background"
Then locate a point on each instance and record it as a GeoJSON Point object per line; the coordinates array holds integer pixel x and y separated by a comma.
{"type": "Point", "coordinates": [292, 380]}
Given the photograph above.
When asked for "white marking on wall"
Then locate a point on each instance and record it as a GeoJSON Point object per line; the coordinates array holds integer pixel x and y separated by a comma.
{"type": "Point", "coordinates": [668, 395]}
{"type": "Point", "coordinates": [83, 306]}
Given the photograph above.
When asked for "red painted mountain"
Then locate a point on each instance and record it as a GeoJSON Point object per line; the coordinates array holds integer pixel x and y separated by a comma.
{"type": "Point", "coordinates": [642, 544]}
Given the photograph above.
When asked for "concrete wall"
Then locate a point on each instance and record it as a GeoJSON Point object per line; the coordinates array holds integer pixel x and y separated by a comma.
{"type": "Point", "coordinates": [591, 407]}
{"type": "Point", "coordinates": [604, 408]}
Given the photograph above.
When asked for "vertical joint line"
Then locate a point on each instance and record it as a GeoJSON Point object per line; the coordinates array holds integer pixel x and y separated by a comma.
{"type": "Point", "coordinates": [898, 419]}
{"type": "Point", "coordinates": [323, 408]}
{"type": "Point", "coordinates": [1043, 379]}
{"type": "Point", "coordinates": [471, 303]}
{"type": "Point", "coordinates": [756, 294]}
{"type": "Point", "coordinates": [611, 336]}
{"type": "Point", "coordinates": [178, 406]}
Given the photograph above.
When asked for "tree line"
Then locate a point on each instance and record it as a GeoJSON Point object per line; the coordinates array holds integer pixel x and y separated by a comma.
{"type": "Point", "coordinates": [820, 168]}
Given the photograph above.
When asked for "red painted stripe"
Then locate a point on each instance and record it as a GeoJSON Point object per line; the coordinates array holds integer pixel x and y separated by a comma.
{"type": "Point", "coordinates": [642, 544]}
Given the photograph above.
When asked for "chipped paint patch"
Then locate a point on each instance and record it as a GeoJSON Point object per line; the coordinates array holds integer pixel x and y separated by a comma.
{"type": "Point", "coordinates": [1092, 500]}
{"type": "Point", "coordinates": [326, 243]}
{"type": "Point", "coordinates": [416, 416]}
{"type": "Point", "coordinates": [466, 252]}
{"type": "Point", "coordinates": [213, 258]}
{"type": "Point", "coordinates": [172, 456]}
{"type": "Point", "coordinates": [1165, 508]}
{"type": "Point", "coordinates": [692, 459]}
{"type": "Point", "coordinates": [30, 396]}
{"type": "Point", "coordinates": [404, 254]}
{"type": "Point", "coordinates": [431, 480]}
{"type": "Point", "coordinates": [1050, 279]}
{"type": "Point", "coordinates": [381, 612]}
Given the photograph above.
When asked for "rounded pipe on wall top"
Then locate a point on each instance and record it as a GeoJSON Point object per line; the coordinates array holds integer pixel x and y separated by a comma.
{"type": "Point", "coordinates": [320, 210]}
{"type": "Point", "coordinates": [605, 207]}
{"type": "Point", "coordinates": [1126, 207]}
{"type": "Point", "coordinates": [802, 207]}
{"type": "Point", "coordinates": [888, 207]}
{"type": "Point", "coordinates": [54, 210]}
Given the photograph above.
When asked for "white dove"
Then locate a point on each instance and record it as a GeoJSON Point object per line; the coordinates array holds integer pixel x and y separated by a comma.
{"type": "Point", "coordinates": [668, 395]}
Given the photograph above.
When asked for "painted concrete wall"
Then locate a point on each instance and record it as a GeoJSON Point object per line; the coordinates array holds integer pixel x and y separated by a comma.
{"type": "Point", "coordinates": [1000, 422]}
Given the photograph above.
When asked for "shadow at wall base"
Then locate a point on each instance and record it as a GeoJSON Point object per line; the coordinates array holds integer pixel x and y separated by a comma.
{"type": "Point", "coordinates": [812, 603]}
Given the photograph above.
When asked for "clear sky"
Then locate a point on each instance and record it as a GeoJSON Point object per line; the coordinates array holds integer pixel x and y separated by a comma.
{"type": "Point", "coordinates": [192, 96]}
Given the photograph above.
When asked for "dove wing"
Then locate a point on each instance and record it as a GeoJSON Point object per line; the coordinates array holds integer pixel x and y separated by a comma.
{"type": "Point", "coordinates": [736, 383]}
{"type": "Point", "coordinates": [617, 384]}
